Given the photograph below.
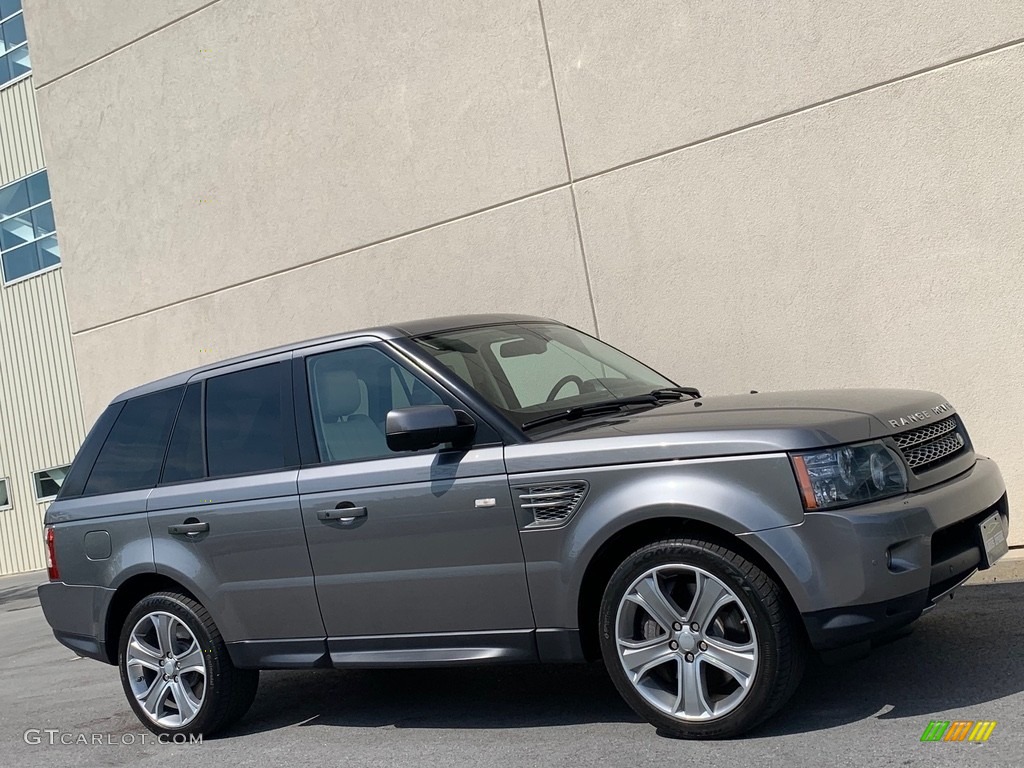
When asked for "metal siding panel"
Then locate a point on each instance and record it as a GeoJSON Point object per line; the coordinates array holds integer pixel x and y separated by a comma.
{"type": "Point", "coordinates": [41, 422]}
{"type": "Point", "coordinates": [40, 409]}
{"type": "Point", "coordinates": [21, 149]}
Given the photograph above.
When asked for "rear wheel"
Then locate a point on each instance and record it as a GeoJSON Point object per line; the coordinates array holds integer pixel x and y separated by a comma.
{"type": "Point", "coordinates": [698, 640]}
{"type": "Point", "coordinates": [175, 668]}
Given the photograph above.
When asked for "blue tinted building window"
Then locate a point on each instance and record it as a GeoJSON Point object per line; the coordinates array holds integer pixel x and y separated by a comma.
{"type": "Point", "coordinates": [28, 240]}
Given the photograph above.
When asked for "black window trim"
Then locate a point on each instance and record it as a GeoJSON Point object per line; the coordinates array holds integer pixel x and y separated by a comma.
{"type": "Point", "coordinates": [202, 437]}
{"type": "Point", "coordinates": [487, 434]}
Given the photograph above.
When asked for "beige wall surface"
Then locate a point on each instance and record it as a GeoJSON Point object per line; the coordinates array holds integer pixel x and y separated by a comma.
{"type": "Point", "coordinates": [306, 130]}
{"type": "Point", "coordinates": [796, 195]}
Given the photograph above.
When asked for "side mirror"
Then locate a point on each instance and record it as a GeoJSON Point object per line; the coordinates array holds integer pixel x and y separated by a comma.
{"type": "Point", "coordinates": [425, 426]}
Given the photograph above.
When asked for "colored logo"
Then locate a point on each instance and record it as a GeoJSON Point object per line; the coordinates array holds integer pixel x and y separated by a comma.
{"type": "Point", "coordinates": [958, 730]}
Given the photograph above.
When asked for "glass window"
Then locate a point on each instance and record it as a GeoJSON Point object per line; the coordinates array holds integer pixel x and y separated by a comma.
{"type": "Point", "coordinates": [244, 423]}
{"type": "Point", "coordinates": [185, 452]}
{"type": "Point", "coordinates": [14, 61]}
{"type": "Point", "coordinates": [28, 242]}
{"type": "Point", "coordinates": [9, 8]}
{"type": "Point", "coordinates": [48, 482]}
{"type": "Point", "coordinates": [351, 392]}
{"type": "Point", "coordinates": [134, 450]}
{"type": "Point", "coordinates": [533, 370]}
{"type": "Point", "coordinates": [5, 499]}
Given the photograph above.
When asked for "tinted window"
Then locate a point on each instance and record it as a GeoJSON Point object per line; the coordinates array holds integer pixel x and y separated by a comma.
{"type": "Point", "coordinates": [134, 449]}
{"type": "Point", "coordinates": [81, 467]}
{"type": "Point", "coordinates": [351, 391]}
{"type": "Point", "coordinates": [185, 453]}
{"type": "Point", "coordinates": [244, 424]}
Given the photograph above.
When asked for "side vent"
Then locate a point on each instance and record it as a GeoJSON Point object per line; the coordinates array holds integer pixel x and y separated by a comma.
{"type": "Point", "coordinates": [551, 503]}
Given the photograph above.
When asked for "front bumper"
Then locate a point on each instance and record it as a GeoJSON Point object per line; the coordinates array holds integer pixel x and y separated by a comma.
{"type": "Point", "coordinates": [860, 572]}
{"type": "Point", "coordinates": [77, 615]}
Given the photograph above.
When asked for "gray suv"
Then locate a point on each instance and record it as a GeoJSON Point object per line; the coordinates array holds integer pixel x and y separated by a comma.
{"type": "Point", "coordinates": [499, 488]}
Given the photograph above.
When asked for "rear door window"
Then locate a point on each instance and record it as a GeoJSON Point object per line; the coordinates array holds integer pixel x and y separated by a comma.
{"type": "Point", "coordinates": [245, 424]}
{"type": "Point", "coordinates": [134, 450]}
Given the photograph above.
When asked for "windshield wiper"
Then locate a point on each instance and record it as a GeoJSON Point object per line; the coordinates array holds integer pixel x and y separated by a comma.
{"type": "Point", "coordinates": [655, 397]}
{"type": "Point", "coordinates": [677, 393]}
{"type": "Point", "coordinates": [589, 409]}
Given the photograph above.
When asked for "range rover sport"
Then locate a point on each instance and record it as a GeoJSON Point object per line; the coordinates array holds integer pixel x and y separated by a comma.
{"type": "Point", "coordinates": [501, 488]}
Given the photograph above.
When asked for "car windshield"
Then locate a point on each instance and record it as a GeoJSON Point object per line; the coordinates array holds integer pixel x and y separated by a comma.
{"type": "Point", "coordinates": [533, 370]}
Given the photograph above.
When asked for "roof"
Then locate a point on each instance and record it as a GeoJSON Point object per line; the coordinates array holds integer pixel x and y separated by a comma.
{"type": "Point", "coordinates": [406, 329]}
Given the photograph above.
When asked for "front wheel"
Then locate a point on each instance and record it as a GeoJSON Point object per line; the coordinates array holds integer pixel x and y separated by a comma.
{"type": "Point", "coordinates": [698, 640]}
{"type": "Point", "coordinates": [176, 671]}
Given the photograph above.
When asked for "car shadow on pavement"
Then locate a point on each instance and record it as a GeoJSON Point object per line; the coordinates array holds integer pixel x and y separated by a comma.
{"type": "Point", "coordinates": [963, 654]}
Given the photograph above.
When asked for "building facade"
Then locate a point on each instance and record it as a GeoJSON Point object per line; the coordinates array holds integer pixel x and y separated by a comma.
{"type": "Point", "coordinates": [747, 195]}
{"type": "Point", "coordinates": [41, 423]}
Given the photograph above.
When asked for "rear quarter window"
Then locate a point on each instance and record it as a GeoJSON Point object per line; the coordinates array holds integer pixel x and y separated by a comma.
{"type": "Point", "coordinates": [134, 450]}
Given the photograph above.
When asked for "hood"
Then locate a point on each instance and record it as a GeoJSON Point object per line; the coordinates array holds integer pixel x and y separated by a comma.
{"type": "Point", "coordinates": [732, 425]}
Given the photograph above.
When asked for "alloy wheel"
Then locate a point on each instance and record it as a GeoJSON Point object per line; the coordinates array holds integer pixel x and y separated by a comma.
{"type": "Point", "coordinates": [686, 642]}
{"type": "Point", "coordinates": [166, 669]}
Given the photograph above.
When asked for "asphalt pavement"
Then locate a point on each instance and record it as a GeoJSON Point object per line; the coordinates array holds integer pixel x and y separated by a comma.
{"type": "Point", "coordinates": [964, 661]}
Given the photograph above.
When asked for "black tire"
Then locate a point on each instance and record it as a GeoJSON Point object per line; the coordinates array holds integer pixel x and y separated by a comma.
{"type": "Point", "coordinates": [780, 642]}
{"type": "Point", "coordinates": [229, 691]}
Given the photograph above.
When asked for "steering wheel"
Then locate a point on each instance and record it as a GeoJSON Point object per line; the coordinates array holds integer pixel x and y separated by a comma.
{"type": "Point", "coordinates": [570, 379]}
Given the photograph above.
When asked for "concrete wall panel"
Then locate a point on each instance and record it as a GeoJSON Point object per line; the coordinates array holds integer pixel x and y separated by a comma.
{"type": "Point", "coordinates": [523, 257]}
{"type": "Point", "coordinates": [872, 242]}
{"type": "Point", "coordinates": [65, 36]}
{"type": "Point", "coordinates": [247, 139]}
{"type": "Point", "coordinates": [639, 78]}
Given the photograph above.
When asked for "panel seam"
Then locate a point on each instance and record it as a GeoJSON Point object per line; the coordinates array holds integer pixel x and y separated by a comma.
{"type": "Point", "coordinates": [121, 47]}
{"type": "Point", "coordinates": [568, 170]}
{"type": "Point", "coordinates": [802, 109]}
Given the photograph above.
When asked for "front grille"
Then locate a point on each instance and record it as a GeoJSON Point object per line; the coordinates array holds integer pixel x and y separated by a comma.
{"type": "Point", "coordinates": [926, 447]}
{"type": "Point", "coordinates": [551, 503]}
{"type": "Point", "coordinates": [932, 431]}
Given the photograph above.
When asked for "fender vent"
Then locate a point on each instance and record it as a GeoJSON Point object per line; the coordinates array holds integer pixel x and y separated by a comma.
{"type": "Point", "coordinates": [551, 503]}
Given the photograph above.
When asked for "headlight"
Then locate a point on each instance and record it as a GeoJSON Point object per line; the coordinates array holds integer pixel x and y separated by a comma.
{"type": "Point", "coordinates": [851, 474]}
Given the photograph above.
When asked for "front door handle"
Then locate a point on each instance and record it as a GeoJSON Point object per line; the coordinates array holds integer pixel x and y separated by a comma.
{"type": "Point", "coordinates": [189, 528]}
{"type": "Point", "coordinates": [345, 512]}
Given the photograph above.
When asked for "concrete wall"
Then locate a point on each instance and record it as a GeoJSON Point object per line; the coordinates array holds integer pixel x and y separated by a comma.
{"type": "Point", "coordinates": [794, 194]}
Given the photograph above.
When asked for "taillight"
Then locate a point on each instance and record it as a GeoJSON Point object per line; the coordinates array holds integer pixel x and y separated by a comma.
{"type": "Point", "coordinates": [51, 555]}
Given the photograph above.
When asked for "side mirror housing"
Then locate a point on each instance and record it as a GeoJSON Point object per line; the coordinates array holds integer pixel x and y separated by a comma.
{"type": "Point", "coordinates": [420, 427]}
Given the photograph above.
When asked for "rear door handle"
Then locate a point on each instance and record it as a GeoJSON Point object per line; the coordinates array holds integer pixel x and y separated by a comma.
{"type": "Point", "coordinates": [343, 513]}
{"type": "Point", "coordinates": [188, 528]}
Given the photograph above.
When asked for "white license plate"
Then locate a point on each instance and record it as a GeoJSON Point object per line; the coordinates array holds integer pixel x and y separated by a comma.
{"type": "Point", "coordinates": [993, 540]}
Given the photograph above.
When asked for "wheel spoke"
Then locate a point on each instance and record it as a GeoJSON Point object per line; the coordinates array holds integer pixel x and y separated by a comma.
{"type": "Point", "coordinates": [735, 659]}
{"type": "Point", "coordinates": [140, 653]}
{"type": "Point", "coordinates": [154, 698]}
{"type": "Point", "coordinates": [710, 596]}
{"type": "Point", "coordinates": [192, 660]}
{"type": "Point", "coordinates": [187, 703]}
{"type": "Point", "coordinates": [164, 635]}
{"type": "Point", "coordinates": [640, 658]}
{"type": "Point", "coordinates": [691, 700]}
{"type": "Point", "coordinates": [649, 596]}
